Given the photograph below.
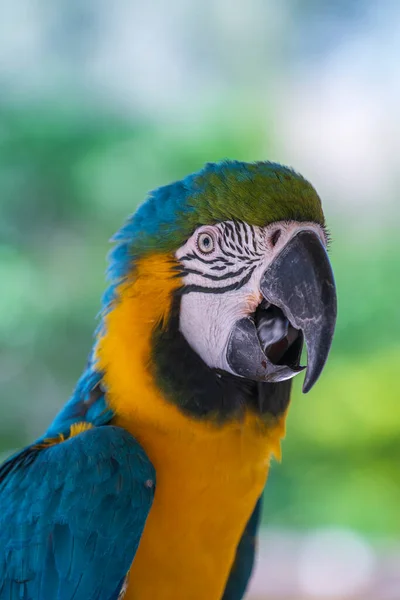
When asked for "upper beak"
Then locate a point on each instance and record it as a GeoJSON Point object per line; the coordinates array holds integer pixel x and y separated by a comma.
{"type": "Point", "coordinates": [300, 283]}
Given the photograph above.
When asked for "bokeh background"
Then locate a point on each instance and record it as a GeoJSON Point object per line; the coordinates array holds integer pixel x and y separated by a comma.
{"type": "Point", "coordinates": [101, 102]}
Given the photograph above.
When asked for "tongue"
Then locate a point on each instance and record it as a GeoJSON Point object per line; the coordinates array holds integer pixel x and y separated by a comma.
{"type": "Point", "coordinates": [274, 332]}
{"type": "Point", "coordinates": [272, 326]}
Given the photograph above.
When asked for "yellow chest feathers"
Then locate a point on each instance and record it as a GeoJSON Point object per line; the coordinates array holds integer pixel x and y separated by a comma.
{"type": "Point", "coordinates": [209, 477]}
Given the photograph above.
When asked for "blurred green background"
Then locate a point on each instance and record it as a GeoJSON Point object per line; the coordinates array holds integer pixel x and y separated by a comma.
{"type": "Point", "coordinates": [101, 103]}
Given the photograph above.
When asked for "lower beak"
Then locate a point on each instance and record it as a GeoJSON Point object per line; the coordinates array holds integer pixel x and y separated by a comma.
{"type": "Point", "coordinates": [300, 303]}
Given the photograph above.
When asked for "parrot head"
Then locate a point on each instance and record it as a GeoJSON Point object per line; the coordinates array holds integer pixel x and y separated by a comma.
{"type": "Point", "coordinates": [245, 249]}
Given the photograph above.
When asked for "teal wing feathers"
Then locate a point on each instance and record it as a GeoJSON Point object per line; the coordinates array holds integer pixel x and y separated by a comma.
{"type": "Point", "coordinates": [244, 561]}
{"type": "Point", "coordinates": [71, 516]}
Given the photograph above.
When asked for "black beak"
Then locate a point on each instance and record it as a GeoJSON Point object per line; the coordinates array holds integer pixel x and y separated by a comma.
{"type": "Point", "coordinates": [300, 302]}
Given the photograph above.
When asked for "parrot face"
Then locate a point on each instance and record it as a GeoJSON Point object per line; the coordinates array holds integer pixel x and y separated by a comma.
{"type": "Point", "coordinates": [228, 274]}
{"type": "Point", "coordinates": [252, 294]}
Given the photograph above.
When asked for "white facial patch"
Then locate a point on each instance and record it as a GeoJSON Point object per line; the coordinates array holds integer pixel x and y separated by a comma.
{"type": "Point", "coordinates": [222, 268]}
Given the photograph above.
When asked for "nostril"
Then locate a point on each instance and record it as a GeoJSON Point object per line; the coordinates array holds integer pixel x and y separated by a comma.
{"type": "Point", "coordinates": [275, 237]}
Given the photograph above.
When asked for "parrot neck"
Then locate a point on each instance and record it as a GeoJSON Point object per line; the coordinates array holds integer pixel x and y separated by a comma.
{"type": "Point", "coordinates": [209, 473]}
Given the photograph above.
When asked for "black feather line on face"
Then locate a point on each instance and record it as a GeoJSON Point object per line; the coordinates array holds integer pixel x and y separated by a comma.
{"type": "Point", "coordinates": [253, 238]}
{"type": "Point", "coordinates": [230, 275]}
{"type": "Point", "coordinates": [187, 289]}
{"type": "Point", "coordinates": [205, 393]}
{"type": "Point", "coordinates": [212, 261]}
{"type": "Point", "coordinates": [246, 235]}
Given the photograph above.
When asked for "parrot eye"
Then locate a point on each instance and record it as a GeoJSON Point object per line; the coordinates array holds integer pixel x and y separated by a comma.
{"type": "Point", "coordinates": [205, 243]}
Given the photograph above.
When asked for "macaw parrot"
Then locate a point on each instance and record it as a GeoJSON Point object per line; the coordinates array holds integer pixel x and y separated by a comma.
{"type": "Point", "coordinates": [148, 484]}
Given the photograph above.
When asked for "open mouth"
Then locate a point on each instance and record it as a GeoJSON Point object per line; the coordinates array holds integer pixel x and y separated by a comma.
{"type": "Point", "coordinates": [281, 343]}
{"type": "Point", "coordinates": [299, 307]}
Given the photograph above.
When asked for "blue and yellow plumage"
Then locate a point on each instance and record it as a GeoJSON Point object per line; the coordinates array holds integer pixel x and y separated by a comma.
{"type": "Point", "coordinates": [148, 483]}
